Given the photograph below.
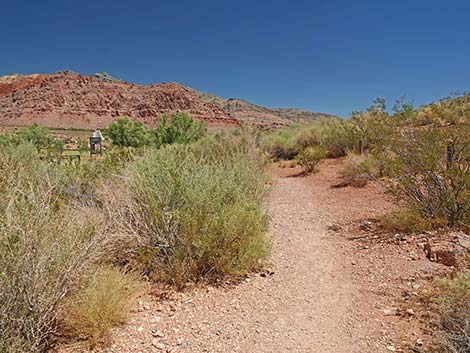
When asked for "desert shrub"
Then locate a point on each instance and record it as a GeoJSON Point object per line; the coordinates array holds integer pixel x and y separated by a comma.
{"type": "Point", "coordinates": [83, 146]}
{"type": "Point", "coordinates": [280, 144]}
{"type": "Point", "coordinates": [178, 128]}
{"type": "Point", "coordinates": [311, 156]}
{"type": "Point", "coordinates": [46, 244]}
{"type": "Point", "coordinates": [278, 147]}
{"type": "Point", "coordinates": [288, 142]}
{"type": "Point", "coordinates": [56, 147]}
{"type": "Point", "coordinates": [7, 141]}
{"type": "Point", "coordinates": [36, 134]}
{"type": "Point", "coordinates": [196, 210]}
{"type": "Point", "coordinates": [126, 133]}
{"type": "Point", "coordinates": [359, 168]}
{"type": "Point", "coordinates": [432, 172]}
{"type": "Point", "coordinates": [454, 336]}
{"type": "Point", "coordinates": [338, 137]}
{"type": "Point", "coordinates": [102, 301]}
{"type": "Point", "coordinates": [454, 290]}
{"type": "Point", "coordinates": [405, 220]}
{"type": "Point", "coordinates": [373, 126]}
{"type": "Point", "coordinates": [425, 151]}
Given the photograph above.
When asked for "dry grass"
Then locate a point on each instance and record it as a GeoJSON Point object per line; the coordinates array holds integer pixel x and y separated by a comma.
{"type": "Point", "coordinates": [454, 336]}
{"type": "Point", "coordinates": [358, 169]}
{"type": "Point", "coordinates": [404, 220]}
{"type": "Point", "coordinates": [102, 302]}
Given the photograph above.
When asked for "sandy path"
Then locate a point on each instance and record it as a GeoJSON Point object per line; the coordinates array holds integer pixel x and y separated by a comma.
{"type": "Point", "coordinates": [311, 303]}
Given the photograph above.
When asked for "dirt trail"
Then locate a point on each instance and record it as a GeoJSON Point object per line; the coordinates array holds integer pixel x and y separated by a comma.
{"type": "Point", "coordinates": [311, 303]}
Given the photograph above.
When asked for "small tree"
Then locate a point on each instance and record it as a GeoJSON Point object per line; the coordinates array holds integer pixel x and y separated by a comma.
{"type": "Point", "coordinates": [126, 133]}
{"type": "Point", "coordinates": [179, 128]}
{"type": "Point", "coordinates": [36, 134]}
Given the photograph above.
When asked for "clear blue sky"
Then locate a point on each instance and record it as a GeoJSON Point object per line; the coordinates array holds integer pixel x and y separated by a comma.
{"type": "Point", "coordinates": [332, 56]}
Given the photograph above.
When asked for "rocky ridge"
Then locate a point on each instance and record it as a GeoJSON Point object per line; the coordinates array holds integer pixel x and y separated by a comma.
{"type": "Point", "coordinates": [67, 99]}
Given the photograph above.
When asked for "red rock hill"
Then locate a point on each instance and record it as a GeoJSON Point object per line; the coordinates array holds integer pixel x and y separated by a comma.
{"type": "Point", "coordinates": [70, 100]}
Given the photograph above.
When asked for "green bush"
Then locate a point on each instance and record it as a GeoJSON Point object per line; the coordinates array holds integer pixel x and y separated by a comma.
{"type": "Point", "coordinates": [286, 143]}
{"type": "Point", "coordinates": [196, 210]}
{"type": "Point", "coordinates": [35, 134]}
{"type": "Point", "coordinates": [178, 128]}
{"type": "Point", "coordinates": [433, 172]}
{"type": "Point", "coordinates": [311, 156]}
{"type": "Point", "coordinates": [126, 133]}
{"type": "Point", "coordinates": [337, 136]}
{"type": "Point", "coordinates": [429, 162]}
{"type": "Point", "coordinates": [83, 146]}
{"type": "Point", "coordinates": [38, 135]}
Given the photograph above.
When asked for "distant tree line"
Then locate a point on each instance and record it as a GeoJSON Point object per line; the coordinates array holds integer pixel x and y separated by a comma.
{"type": "Point", "coordinates": [177, 128]}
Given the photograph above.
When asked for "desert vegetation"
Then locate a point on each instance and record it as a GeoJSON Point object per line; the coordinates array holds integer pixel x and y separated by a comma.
{"type": "Point", "coordinates": [422, 156]}
{"type": "Point", "coordinates": [454, 307]}
{"type": "Point", "coordinates": [422, 151]}
{"type": "Point", "coordinates": [176, 206]}
{"type": "Point", "coordinates": [178, 128]}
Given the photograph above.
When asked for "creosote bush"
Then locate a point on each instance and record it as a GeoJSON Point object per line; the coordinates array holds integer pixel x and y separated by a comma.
{"type": "Point", "coordinates": [433, 172]}
{"type": "Point", "coordinates": [311, 156]}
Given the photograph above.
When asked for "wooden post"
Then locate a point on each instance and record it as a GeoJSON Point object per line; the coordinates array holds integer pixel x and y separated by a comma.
{"type": "Point", "coordinates": [450, 155]}
{"type": "Point", "coordinates": [361, 146]}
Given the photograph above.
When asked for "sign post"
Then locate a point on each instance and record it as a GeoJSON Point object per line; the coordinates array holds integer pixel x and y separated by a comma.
{"type": "Point", "coordinates": [96, 143]}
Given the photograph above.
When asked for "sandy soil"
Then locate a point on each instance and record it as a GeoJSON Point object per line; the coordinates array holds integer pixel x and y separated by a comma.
{"type": "Point", "coordinates": [330, 288]}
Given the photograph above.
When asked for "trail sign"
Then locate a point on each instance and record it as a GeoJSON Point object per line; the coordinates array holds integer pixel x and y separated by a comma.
{"type": "Point", "coordinates": [96, 143]}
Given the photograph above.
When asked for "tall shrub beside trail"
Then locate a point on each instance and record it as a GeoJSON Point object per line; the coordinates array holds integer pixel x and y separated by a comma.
{"type": "Point", "coordinates": [46, 246]}
{"type": "Point", "coordinates": [432, 166]}
{"type": "Point", "coordinates": [197, 210]}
